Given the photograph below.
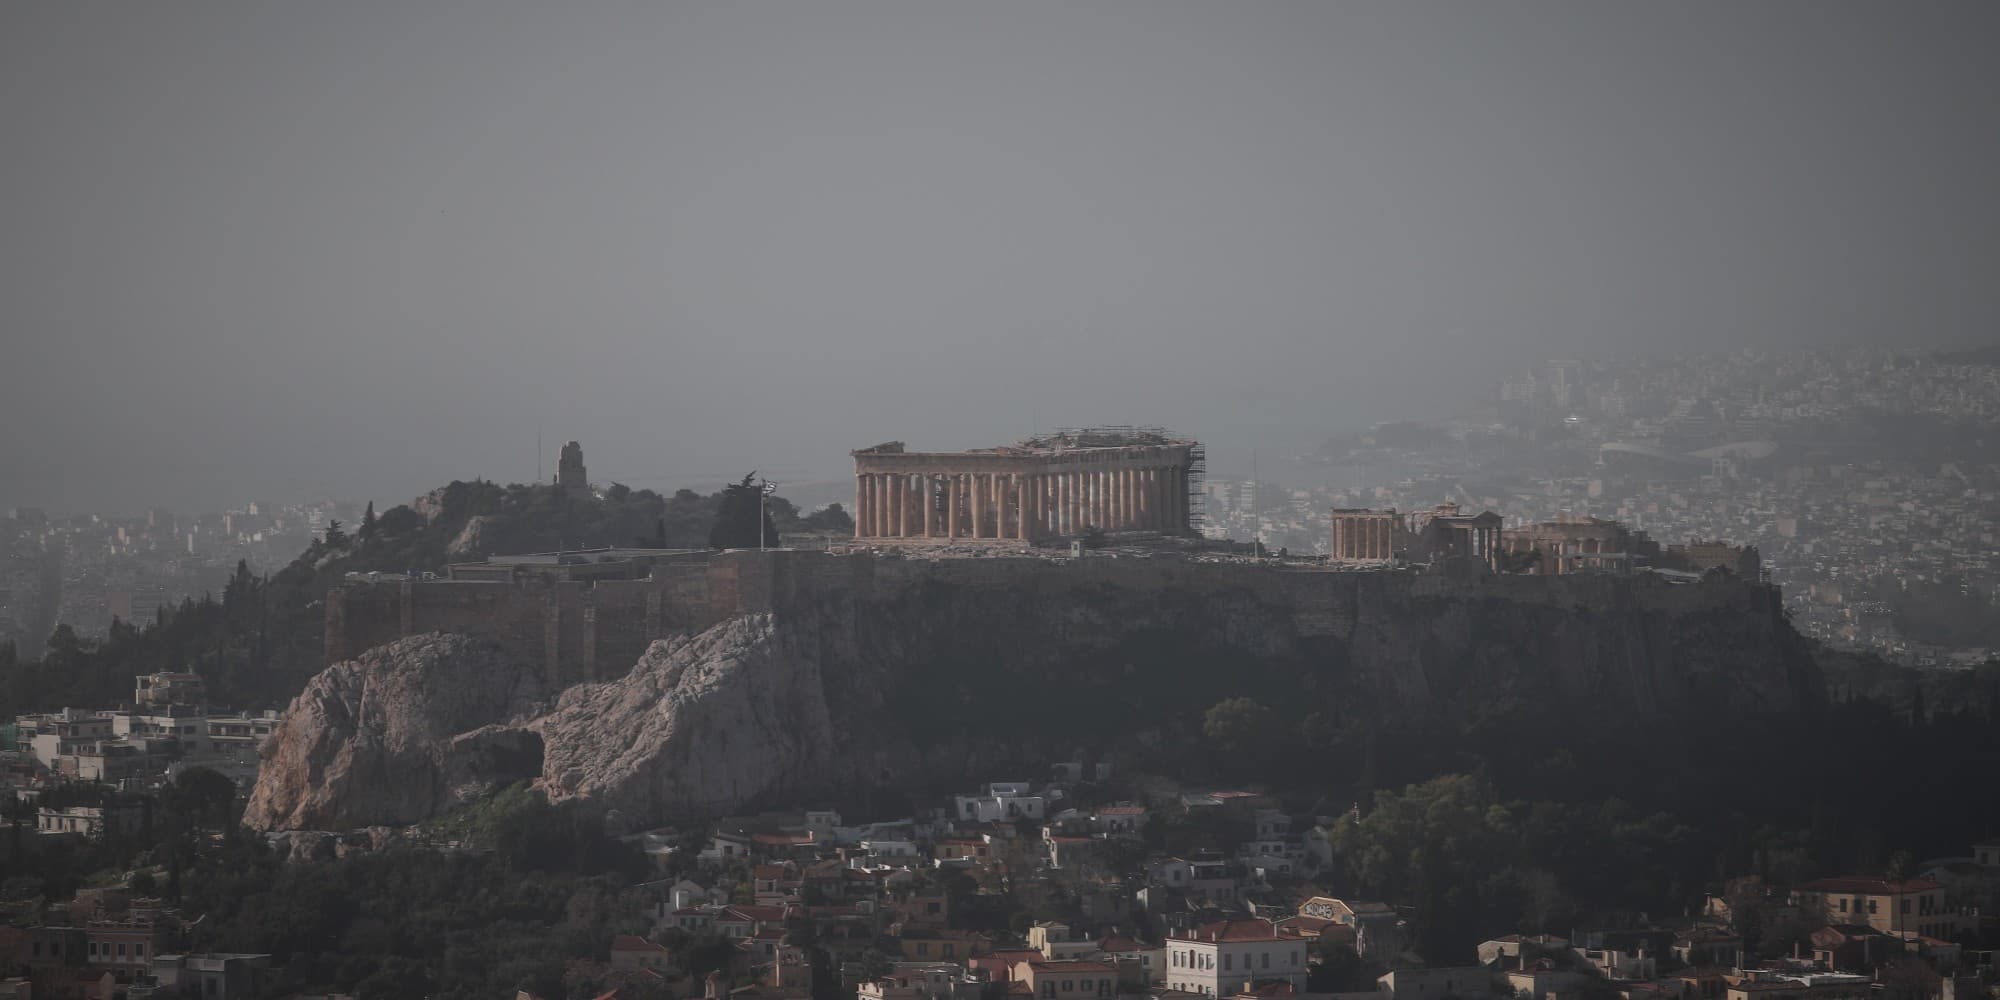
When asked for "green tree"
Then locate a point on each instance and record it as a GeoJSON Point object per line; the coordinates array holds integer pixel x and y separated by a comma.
{"type": "Point", "coordinates": [1240, 726]}
{"type": "Point", "coordinates": [832, 517]}
{"type": "Point", "coordinates": [737, 517]}
{"type": "Point", "coordinates": [367, 533]}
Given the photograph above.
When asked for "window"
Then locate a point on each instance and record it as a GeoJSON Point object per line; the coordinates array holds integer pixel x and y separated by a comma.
{"type": "Point", "coordinates": [121, 949]}
{"type": "Point", "coordinates": [1266, 963]}
{"type": "Point", "coordinates": [139, 950]}
{"type": "Point", "coordinates": [1843, 905]}
{"type": "Point", "coordinates": [948, 951]}
{"type": "Point", "coordinates": [1228, 961]}
{"type": "Point", "coordinates": [1068, 985]}
{"type": "Point", "coordinates": [1906, 904]}
{"type": "Point", "coordinates": [1871, 906]}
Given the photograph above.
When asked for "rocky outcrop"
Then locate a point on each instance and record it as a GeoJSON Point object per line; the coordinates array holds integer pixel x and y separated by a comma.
{"type": "Point", "coordinates": [917, 675]}
{"type": "Point", "coordinates": [702, 725]}
{"type": "Point", "coordinates": [368, 741]}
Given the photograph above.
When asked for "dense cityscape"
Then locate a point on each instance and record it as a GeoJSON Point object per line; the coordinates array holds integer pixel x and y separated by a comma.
{"type": "Point", "coordinates": [1866, 479]}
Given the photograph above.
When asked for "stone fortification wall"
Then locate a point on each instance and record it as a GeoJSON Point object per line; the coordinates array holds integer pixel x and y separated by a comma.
{"type": "Point", "coordinates": [790, 676]}
{"type": "Point", "coordinates": [581, 632]}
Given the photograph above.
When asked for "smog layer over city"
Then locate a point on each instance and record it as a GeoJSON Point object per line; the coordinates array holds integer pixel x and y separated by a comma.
{"type": "Point", "coordinates": [899, 501]}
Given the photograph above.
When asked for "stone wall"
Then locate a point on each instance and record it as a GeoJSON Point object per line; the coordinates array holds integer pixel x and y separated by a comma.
{"type": "Point", "coordinates": [579, 632]}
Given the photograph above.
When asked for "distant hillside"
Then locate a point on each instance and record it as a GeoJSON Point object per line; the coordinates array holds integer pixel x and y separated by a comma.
{"type": "Point", "coordinates": [1988, 355]}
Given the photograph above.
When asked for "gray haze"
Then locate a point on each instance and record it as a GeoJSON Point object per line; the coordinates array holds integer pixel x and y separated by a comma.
{"type": "Point", "coordinates": [300, 249]}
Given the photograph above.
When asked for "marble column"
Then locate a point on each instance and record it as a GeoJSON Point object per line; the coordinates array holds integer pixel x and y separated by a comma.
{"type": "Point", "coordinates": [1128, 506]}
{"type": "Point", "coordinates": [926, 503]}
{"type": "Point", "coordinates": [1021, 514]}
{"type": "Point", "coordinates": [952, 493]}
{"type": "Point", "coordinates": [903, 505]}
{"type": "Point", "coordinates": [860, 506]}
{"type": "Point", "coordinates": [899, 497]}
{"type": "Point", "coordinates": [1065, 502]}
{"type": "Point", "coordinates": [1049, 503]}
{"type": "Point", "coordinates": [885, 506]}
{"type": "Point", "coordinates": [976, 509]}
{"type": "Point", "coordinates": [1079, 501]}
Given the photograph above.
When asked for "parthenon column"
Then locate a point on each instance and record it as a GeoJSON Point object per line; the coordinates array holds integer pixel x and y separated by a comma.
{"type": "Point", "coordinates": [1128, 504]}
{"type": "Point", "coordinates": [882, 505]}
{"type": "Point", "coordinates": [1079, 502]}
{"type": "Point", "coordinates": [976, 509]}
{"type": "Point", "coordinates": [899, 484]}
{"type": "Point", "coordinates": [860, 505]}
{"type": "Point", "coordinates": [905, 499]}
{"type": "Point", "coordinates": [1071, 503]}
{"type": "Point", "coordinates": [1065, 502]}
{"type": "Point", "coordinates": [925, 504]}
{"type": "Point", "coordinates": [874, 506]}
{"type": "Point", "coordinates": [1052, 482]}
{"type": "Point", "coordinates": [952, 492]}
{"type": "Point", "coordinates": [1116, 518]}
{"type": "Point", "coordinates": [1156, 510]}
{"type": "Point", "coordinates": [1098, 496]}
{"type": "Point", "coordinates": [1020, 506]}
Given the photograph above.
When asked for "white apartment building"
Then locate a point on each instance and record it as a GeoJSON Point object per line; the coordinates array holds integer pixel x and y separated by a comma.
{"type": "Point", "coordinates": [1226, 958]}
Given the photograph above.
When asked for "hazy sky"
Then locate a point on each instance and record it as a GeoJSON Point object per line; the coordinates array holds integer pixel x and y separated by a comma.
{"type": "Point", "coordinates": [356, 249]}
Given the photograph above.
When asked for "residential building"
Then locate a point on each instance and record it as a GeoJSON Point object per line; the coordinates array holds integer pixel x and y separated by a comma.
{"type": "Point", "coordinates": [1906, 909]}
{"type": "Point", "coordinates": [1451, 983]}
{"type": "Point", "coordinates": [213, 976]}
{"type": "Point", "coordinates": [1067, 980]}
{"type": "Point", "coordinates": [1225, 958]}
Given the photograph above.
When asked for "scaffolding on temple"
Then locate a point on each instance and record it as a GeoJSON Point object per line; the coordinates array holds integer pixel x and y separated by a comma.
{"type": "Point", "coordinates": [1197, 486]}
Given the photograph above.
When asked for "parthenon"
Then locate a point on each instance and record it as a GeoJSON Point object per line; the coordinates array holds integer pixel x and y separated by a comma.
{"type": "Point", "coordinates": [1046, 487]}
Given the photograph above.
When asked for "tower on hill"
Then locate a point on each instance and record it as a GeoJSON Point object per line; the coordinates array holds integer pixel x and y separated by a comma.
{"type": "Point", "coordinates": [570, 476]}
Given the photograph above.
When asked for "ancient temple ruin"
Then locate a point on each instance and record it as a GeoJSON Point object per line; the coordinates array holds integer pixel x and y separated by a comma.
{"type": "Point", "coordinates": [1066, 484]}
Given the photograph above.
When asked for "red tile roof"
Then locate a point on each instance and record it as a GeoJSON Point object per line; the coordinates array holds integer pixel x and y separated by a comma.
{"type": "Point", "coordinates": [1060, 967]}
{"type": "Point", "coordinates": [633, 942]}
{"type": "Point", "coordinates": [1237, 930]}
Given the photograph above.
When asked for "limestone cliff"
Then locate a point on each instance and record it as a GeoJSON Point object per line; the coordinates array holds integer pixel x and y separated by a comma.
{"type": "Point", "coordinates": [919, 673]}
{"type": "Point", "coordinates": [368, 741]}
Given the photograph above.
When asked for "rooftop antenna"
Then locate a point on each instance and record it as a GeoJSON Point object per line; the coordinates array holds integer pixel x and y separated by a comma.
{"type": "Point", "coordinates": [538, 456]}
